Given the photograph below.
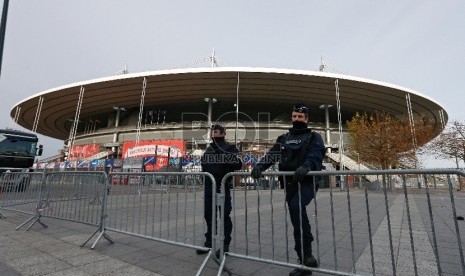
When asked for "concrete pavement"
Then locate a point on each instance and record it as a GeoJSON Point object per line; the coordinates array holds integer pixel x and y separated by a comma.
{"type": "Point", "coordinates": [56, 250]}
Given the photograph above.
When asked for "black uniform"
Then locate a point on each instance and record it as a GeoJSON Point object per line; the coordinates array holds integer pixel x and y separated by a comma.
{"type": "Point", "coordinates": [219, 159]}
{"type": "Point", "coordinates": [299, 149]}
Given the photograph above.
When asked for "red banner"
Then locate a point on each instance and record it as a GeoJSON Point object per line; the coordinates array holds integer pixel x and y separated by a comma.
{"type": "Point", "coordinates": [160, 162]}
{"type": "Point", "coordinates": [84, 151]}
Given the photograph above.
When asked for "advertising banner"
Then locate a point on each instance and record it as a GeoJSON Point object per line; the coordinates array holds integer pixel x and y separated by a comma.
{"type": "Point", "coordinates": [83, 151]}
{"type": "Point", "coordinates": [154, 153]}
{"type": "Point", "coordinates": [147, 148]}
{"type": "Point", "coordinates": [82, 164]}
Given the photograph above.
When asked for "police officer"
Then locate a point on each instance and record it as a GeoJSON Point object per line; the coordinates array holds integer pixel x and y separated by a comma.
{"type": "Point", "coordinates": [219, 159]}
{"type": "Point", "coordinates": [300, 150]}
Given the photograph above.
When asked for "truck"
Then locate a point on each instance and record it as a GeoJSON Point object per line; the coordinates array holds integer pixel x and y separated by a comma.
{"type": "Point", "coordinates": [18, 150]}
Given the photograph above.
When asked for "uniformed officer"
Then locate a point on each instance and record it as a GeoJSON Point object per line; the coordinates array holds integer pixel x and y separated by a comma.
{"type": "Point", "coordinates": [300, 150]}
{"type": "Point", "coordinates": [219, 159]}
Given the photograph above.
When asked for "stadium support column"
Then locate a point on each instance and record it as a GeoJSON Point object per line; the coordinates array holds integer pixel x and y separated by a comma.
{"type": "Point", "coordinates": [115, 135]}
{"type": "Point", "coordinates": [326, 107]}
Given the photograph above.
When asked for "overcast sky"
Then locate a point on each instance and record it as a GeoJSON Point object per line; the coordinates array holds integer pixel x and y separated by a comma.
{"type": "Point", "coordinates": [418, 44]}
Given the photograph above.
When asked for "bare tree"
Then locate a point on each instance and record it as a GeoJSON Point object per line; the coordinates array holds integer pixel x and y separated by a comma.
{"type": "Point", "coordinates": [450, 144]}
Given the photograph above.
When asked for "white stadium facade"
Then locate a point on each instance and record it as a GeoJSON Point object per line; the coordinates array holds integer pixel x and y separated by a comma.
{"type": "Point", "coordinates": [167, 113]}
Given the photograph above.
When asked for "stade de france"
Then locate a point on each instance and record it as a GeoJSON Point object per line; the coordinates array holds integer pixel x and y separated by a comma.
{"type": "Point", "coordinates": [166, 114]}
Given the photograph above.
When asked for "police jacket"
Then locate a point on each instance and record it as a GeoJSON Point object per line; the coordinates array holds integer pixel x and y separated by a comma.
{"type": "Point", "coordinates": [298, 147]}
{"type": "Point", "coordinates": [219, 159]}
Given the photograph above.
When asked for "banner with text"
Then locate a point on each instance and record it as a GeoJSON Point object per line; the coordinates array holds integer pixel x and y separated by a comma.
{"type": "Point", "coordinates": [159, 148]}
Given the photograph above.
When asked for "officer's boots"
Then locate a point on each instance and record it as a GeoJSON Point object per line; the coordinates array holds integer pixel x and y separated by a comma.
{"type": "Point", "coordinates": [208, 244]}
{"type": "Point", "coordinates": [308, 260]}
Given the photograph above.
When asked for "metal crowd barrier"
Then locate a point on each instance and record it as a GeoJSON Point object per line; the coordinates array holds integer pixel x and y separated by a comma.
{"type": "Point", "coordinates": [396, 222]}
{"type": "Point", "coordinates": [19, 191]}
{"type": "Point", "coordinates": [406, 222]}
{"type": "Point", "coordinates": [71, 196]}
{"type": "Point", "coordinates": [161, 206]}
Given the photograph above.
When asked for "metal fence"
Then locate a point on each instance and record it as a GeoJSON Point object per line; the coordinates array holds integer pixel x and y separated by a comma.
{"type": "Point", "coordinates": [20, 191]}
{"type": "Point", "coordinates": [71, 196]}
{"type": "Point", "coordinates": [162, 206]}
{"type": "Point", "coordinates": [406, 223]}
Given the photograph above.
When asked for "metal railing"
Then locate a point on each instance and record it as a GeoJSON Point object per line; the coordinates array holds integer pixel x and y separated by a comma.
{"type": "Point", "coordinates": [406, 223]}
{"type": "Point", "coordinates": [162, 206]}
{"type": "Point", "coordinates": [20, 191]}
{"type": "Point", "coordinates": [406, 227]}
{"type": "Point", "coordinates": [71, 196]}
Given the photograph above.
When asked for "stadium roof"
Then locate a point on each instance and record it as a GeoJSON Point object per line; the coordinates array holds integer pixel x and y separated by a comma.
{"type": "Point", "coordinates": [259, 89]}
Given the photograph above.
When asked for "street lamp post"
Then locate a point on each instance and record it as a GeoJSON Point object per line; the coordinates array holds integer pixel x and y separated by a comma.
{"type": "Point", "coordinates": [210, 102]}
{"type": "Point", "coordinates": [3, 30]}
{"type": "Point", "coordinates": [326, 107]}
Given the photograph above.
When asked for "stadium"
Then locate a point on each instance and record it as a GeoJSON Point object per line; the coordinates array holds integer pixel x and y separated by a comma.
{"type": "Point", "coordinates": [148, 120]}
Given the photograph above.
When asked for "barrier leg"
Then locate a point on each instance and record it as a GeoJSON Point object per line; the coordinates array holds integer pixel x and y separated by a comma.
{"type": "Point", "coordinates": [101, 199]}
{"type": "Point", "coordinates": [96, 200]}
{"type": "Point", "coordinates": [28, 220]}
{"type": "Point", "coordinates": [223, 267]}
{"type": "Point", "coordinates": [102, 234]}
{"type": "Point", "coordinates": [41, 206]}
{"type": "Point", "coordinates": [36, 219]}
{"type": "Point", "coordinates": [204, 263]}
{"type": "Point", "coordinates": [218, 240]}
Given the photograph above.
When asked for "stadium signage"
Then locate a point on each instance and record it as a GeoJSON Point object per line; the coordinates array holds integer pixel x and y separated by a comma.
{"type": "Point", "coordinates": [152, 150]}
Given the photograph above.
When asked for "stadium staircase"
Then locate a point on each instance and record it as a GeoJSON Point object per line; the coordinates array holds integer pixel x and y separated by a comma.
{"type": "Point", "coordinates": [351, 164]}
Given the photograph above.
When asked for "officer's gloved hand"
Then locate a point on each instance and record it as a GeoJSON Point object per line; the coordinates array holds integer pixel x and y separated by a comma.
{"type": "Point", "coordinates": [257, 171]}
{"type": "Point", "coordinates": [299, 174]}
